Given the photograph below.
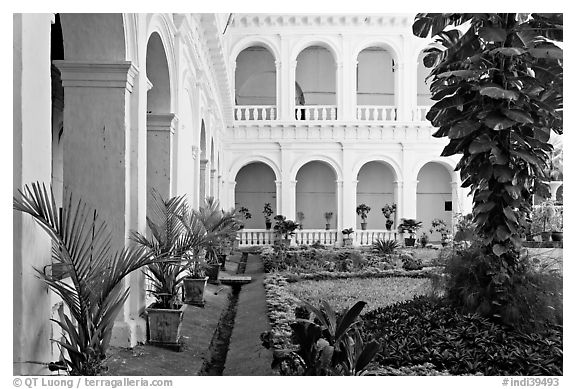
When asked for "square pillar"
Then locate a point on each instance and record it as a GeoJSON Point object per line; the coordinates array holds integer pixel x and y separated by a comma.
{"type": "Point", "coordinates": [278, 196]}
{"type": "Point", "coordinates": [96, 148]}
{"type": "Point", "coordinates": [213, 183]}
{"type": "Point", "coordinates": [160, 148]}
{"type": "Point", "coordinates": [204, 183]}
{"type": "Point", "coordinates": [349, 200]}
{"type": "Point", "coordinates": [409, 199]}
{"type": "Point", "coordinates": [341, 204]}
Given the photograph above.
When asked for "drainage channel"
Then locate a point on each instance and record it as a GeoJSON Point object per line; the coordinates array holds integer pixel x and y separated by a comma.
{"type": "Point", "coordinates": [218, 350]}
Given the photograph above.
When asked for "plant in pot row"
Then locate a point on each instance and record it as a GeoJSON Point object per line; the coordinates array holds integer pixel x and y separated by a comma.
{"type": "Point", "coordinates": [284, 229]}
{"type": "Point", "coordinates": [439, 226]}
{"type": "Point", "coordinates": [328, 217]}
{"type": "Point", "coordinates": [300, 217]}
{"type": "Point", "coordinates": [180, 234]}
{"type": "Point", "coordinates": [388, 210]}
{"type": "Point", "coordinates": [362, 210]}
{"type": "Point", "coordinates": [93, 292]}
{"type": "Point", "coordinates": [347, 240]}
{"type": "Point", "coordinates": [267, 213]}
{"type": "Point", "coordinates": [410, 226]}
{"type": "Point", "coordinates": [547, 220]}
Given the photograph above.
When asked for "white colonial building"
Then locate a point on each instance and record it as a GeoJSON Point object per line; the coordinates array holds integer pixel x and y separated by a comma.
{"type": "Point", "coordinates": [310, 113]}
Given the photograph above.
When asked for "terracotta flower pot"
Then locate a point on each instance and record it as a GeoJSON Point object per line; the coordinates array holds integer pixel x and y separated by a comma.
{"type": "Point", "coordinates": [363, 226]}
{"type": "Point", "coordinates": [212, 271]}
{"type": "Point", "coordinates": [409, 242]}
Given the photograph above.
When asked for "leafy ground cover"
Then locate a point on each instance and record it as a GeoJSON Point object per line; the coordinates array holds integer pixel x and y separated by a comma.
{"type": "Point", "coordinates": [428, 330]}
{"type": "Point", "coordinates": [343, 293]}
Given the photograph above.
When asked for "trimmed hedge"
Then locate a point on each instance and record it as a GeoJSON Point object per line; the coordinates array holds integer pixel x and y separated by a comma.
{"type": "Point", "coordinates": [428, 330]}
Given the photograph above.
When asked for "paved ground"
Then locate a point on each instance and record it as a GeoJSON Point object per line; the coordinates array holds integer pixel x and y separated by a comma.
{"type": "Point", "coordinates": [198, 327]}
{"type": "Point", "coordinates": [246, 355]}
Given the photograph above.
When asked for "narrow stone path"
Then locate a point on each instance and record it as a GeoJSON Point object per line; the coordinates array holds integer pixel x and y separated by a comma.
{"type": "Point", "coordinates": [246, 355]}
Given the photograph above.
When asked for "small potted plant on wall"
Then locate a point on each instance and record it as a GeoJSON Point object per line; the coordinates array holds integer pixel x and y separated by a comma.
{"type": "Point", "coordinates": [363, 210]}
{"type": "Point", "coordinates": [328, 217]}
{"type": "Point", "coordinates": [347, 240]}
{"type": "Point", "coordinates": [388, 211]}
{"type": "Point", "coordinates": [410, 226]}
{"type": "Point", "coordinates": [439, 226]}
{"type": "Point", "coordinates": [300, 218]}
{"type": "Point", "coordinates": [267, 213]}
{"type": "Point", "coordinates": [284, 229]}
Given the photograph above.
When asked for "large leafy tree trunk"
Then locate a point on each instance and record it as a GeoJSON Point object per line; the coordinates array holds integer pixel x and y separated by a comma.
{"type": "Point", "coordinates": [497, 82]}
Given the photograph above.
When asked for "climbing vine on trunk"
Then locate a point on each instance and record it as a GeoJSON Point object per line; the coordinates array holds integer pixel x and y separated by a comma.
{"type": "Point", "coordinates": [498, 92]}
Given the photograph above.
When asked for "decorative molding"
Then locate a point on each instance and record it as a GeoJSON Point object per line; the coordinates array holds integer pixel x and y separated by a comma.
{"type": "Point", "coordinates": [321, 20]}
{"type": "Point", "coordinates": [161, 122]}
{"type": "Point", "coordinates": [84, 74]}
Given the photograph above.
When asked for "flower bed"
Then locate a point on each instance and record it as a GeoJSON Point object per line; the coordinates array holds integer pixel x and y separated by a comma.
{"type": "Point", "coordinates": [343, 293]}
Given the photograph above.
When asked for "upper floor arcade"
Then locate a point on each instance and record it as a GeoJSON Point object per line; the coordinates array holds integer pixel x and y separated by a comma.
{"type": "Point", "coordinates": [329, 68]}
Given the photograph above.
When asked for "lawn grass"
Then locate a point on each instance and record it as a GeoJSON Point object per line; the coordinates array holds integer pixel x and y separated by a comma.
{"type": "Point", "coordinates": [377, 292]}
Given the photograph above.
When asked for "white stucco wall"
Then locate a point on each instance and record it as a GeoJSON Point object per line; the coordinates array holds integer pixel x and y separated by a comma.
{"type": "Point", "coordinates": [433, 191]}
{"type": "Point", "coordinates": [316, 194]}
{"type": "Point", "coordinates": [32, 162]}
{"type": "Point", "coordinates": [375, 188]}
{"type": "Point", "coordinates": [255, 187]}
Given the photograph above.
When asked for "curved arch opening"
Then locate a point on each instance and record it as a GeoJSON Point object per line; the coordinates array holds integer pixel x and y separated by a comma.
{"type": "Point", "coordinates": [376, 188]}
{"type": "Point", "coordinates": [255, 80]}
{"type": "Point", "coordinates": [159, 75]}
{"type": "Point", "coordinates": [424, 97]}
{"type": "Point", "coordinates": [375, 77]}
{"type": "Point", "coordinates": [316, 195]}
{"type": "Point", "coordinates": [434, 197]}
{"type": "Point", "coordinates": [316, 78]}
{"type": "Point", "coordinates": [255, 186]}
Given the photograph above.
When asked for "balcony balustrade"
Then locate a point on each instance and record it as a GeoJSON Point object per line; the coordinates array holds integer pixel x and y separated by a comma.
{"type": "Point", "coordinates": [377, 112]}
{"type": "Point", "coordinates": [261, 237]}
{"type": "Point", "coordinates": [255, 112]}
{"type": "Point", "coordinates": [419, 114]}
{"type": "Point", "coordinates": [315, 112]}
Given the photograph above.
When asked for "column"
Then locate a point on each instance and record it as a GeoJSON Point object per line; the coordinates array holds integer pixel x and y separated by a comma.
{"type": "Point", "coordinates": [195, 151]}
{"type": "Point", "coordinates": [349, 82]}
{"type": "Point", "coordinates": [291, 103]}
{"type": "Point", "coordinates": [349, 201]}
{"type": "Point", "coordinates": [279, 91]}
{"type": "Point", "coordinates": [398, 197]}
{"type": "Point", "coordinates": [341, 205]}
{"type": "Point", "coordinates": [341, 90]}
{"type": "Point", "coordinates": [409, 199]}
{"type": "Point", "coordinates": [160, 150]}
{"type": "Point", "coordinates": [289, 199]}
{"type": "Point", "coordinates": [278, 196]}
{"type": "Point", "coordinates": [96, 151]}
{"type": "Point", "coordinates": [204, 167]}
{"type": "Point", "coordinates": [231, 187]}
{"type": "Point", "coordinates": [213, 183]}
{"type": "Point", "coordinates": [456, 200]}
{"type": "Point", "coordinates": [219, 189]}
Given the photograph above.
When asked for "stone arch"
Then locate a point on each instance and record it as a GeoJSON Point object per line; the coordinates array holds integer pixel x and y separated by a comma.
{"type": "Point", "coordinates": [255, 77]}
{"type": "Point", "coordinates": [250, 41]}
{"type": "Point", "coordinates": [316, 157]}
{"type": "Point", "coordinates": [158, 73]}
{"type": "Point", "coordinates": [385, 44]}
{"type": "Point", "coordinates": [326, 42]}
{"type": "Point", "coordinates": [255, 186]}
{"type": "Point", "coordinates": [246, 160]}
{"type": "Point", "coordinates": [316, 194]}
{"type": "Point", "coordinates": [434, 195]}
{"type": "Point", "coordinates": [448, 164]}
{"type": "Point", "coordinates": [161, 25]}
{"type": "Point", "coordinates": [387, 160]}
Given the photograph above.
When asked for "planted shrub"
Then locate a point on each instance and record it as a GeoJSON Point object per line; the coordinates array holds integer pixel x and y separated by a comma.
{"type": "Point", "coordinates": [411, 263]}
{"type": "Point", "coordinates": [384, 246]}
{"type": "Point", "coordinates": [534, 301]}
{"type": "Point", "coordinates": [428, 329]}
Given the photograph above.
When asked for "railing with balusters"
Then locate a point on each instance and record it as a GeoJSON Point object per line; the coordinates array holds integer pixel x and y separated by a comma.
{"type": "Point", "coordinates": [367, 237]}
{"type": "Point", "coordinates": [325, 237]}
{"type": "Point", "coordinates": [255, 237]}
{"type": "Point", "coordinates": [255, 112]}
{"type": "Point", "coordinates": [419, 114]}
{"type": "Point", "coordinates": [316, 112]}
{"type": "Point", "coordinates": [377, 112]}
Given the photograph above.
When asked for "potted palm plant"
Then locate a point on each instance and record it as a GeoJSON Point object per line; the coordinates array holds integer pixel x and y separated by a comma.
{"type": "Point", "coordinates": [388, 211]}
{"type": "Point", "coordinates": [194, 284]}
{"type": "Point", "coordinates": [175, 232]}
{"type": "Point", "coordinates": [363, 210]}
{"type": "Point", "coordinates": [93, 293]}
{"type": "Point", "coordinates": [300, 218]}
{"type": "Point", "coordinates": [410, 226]}
{"type": "Point", "coordinates": [221, 227]}
{"type": "Point", "coordinates": [328, 217]}
{"type": "Point", "coordinates": [267, 213]}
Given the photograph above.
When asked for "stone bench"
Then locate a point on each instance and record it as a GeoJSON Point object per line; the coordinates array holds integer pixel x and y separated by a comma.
{"type": "Point", "coordinates": [235, 280]}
